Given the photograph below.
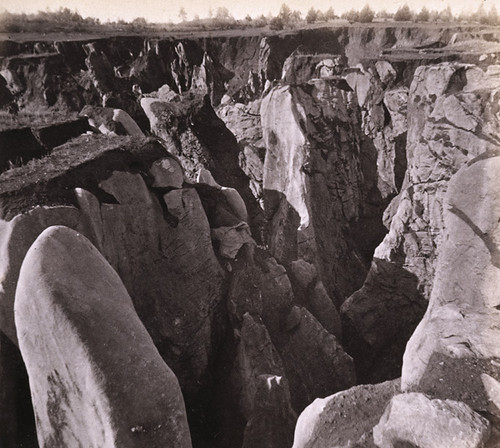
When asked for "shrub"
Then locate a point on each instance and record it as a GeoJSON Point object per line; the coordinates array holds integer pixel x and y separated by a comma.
{"type": "Point", "coordinates": [285, 14]}
{"type": "Point", "coordinates": [329, 14]}
{"type": "Point", "coordinates": [366, 15]}
{"type": "Point", "coordinates": [312, 16]}
{"type": "Point", "coordinates": [351, 15]}
{"type": "Point", "coordinates": [424, 15]}
{"type": "Point", "coordinates": [276, 23]}
{"type": "Point", "coordinates": [403, 14]}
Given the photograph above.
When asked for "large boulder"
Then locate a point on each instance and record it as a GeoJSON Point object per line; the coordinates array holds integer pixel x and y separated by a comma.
{"type": "Point", "coordinates": [454, 351]}
{"type": "Point", "coordinates": [345, 419]}
{"type": "Point", "coordinates": [96, 377]}
{"type": "Point", "coordinates": [415, 419]}
{"type": "Point", "coordinates": [16, 237]}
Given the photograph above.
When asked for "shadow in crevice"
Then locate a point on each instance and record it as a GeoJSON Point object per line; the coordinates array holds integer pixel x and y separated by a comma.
{"type": "Point", "coordinates": [17, 420]}
{"type": "Point", "coordinates": [379, 319]}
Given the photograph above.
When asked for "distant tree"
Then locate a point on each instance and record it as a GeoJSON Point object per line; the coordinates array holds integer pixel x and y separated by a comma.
{"type": "Point", "coordinates": [384, 15]}
{"type": "Point", "coordinates": [295, 16]}
{"type": "Point", "coordinates": [446, 15]}
{"type": "Point", "coordinates": [424, 15]}
{"type": "Point", "coordinates": [222, 13]}
{"type": "Point", "coordinates": [330, 14]}
{"type": "Point", "coordinates": [276, 23]}
{"type": "Point", "coordinates": [351, 15]}
{"type": "Point", "coordinates": [321, 16]}
{"type": "Point", "coordinates": [182, 14]}
{"type": "Point", "coordinates": [140, 21]}
{"type": "Point", "coordinates": [403, 14]}
{"type": "Point", "coordinates": [312, 16]}
{"type": "Point", "coordinates": [366, 15]}
{"type": "Point", "coordinates": [248, 18]}
{"type": "Point", "coordinates": [493, 16]}
{"type": "Point", "coordinates": [260, 21]}
{"type": "Point", "coordinates": [285, 14]}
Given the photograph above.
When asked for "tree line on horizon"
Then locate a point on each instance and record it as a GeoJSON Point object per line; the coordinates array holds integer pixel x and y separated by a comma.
{"type": "Point", "coordinates": [67, 20]}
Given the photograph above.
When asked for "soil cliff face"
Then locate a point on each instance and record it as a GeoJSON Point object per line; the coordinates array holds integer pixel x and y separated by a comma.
{"type": "Point", "coordinates": [280, 233]}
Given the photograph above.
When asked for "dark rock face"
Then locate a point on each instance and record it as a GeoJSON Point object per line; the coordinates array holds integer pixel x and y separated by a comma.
{"type": "Point", "coordinates": [18, 146]}
{"type": "Point", "coordinates": [17, 427]}
{"type": "Point", "coordinates": [313, 181]}
{"type": "Point", "coordinates": [89, 358]}
{"type": "Point", "coordinates": [379, 318]}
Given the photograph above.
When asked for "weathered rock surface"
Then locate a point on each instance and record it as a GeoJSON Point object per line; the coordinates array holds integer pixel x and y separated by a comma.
{"type": "Point", "coordinates": [415, 419]}
{"type": "Point", "coordinates": [129, 224]}
{"type": "Point", "coordinates": [296, 338]}
{"type": "Point", "coordinates": [244, 122]}
{"type": "Point", "coordinates": [454, 351]}
{"type": "Point", "coordinates": [111, 121]}
{"type": "Point", "coordinates": [345, 419]}
{"type": "Point", "coordinates": [200, 140]}
{"type": "Point", "coordinates": [271, 424]}
{"type": "Point", "coordinates": [379, 318]}
{"type": "Point", "coordinates": [323, 157]}
{"type": "Point", "coordinates": [313, 182]}
{"type": "Point", "coordinates": [383, 119]}
{"type": "Point", "coordinates": [89, 358]}
{"type": "Point", "coordinates": [17, 235]}
{"type": "Point", "coordinates": [310, 292]}
{"type": "Point", "coordinates": [451, 120]}
{"type": "Point", "coordinates": [308, 344]}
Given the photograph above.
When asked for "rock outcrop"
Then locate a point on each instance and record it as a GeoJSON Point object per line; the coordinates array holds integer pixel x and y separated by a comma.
{"type": "Point", "coordinates": [175, 246]}
{"type": "Point", "coordinates": [96, 377]}
{"type": "Point", "coordinates": [200, 140]}
{"type": "Point", "coordinates": [328, 422]}
{"type": "Point", "coordinates": [454, 352]}
{"type": "Point", "coordinates": [451, 120]}
{"type": "Point", "coordinates": [415, 419]}
{"type": "Point", "coordinates": [128, 221]}
{"type": "Point", "coordinates": [313, 181]}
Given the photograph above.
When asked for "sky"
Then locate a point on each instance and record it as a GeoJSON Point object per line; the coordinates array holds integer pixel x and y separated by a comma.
{"type": "Point", "coordinates": [168, 10]}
